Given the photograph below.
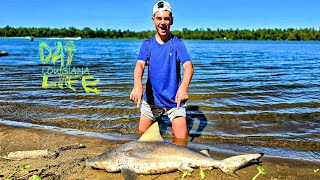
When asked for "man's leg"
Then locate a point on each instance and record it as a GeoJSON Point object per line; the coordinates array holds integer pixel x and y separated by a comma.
{"type": "Point", "coordinates": [180, 131]}
{"type": "Point", "coordinates": [144, 124]}
{"type": "Point", "coordinates": [146, 118]}
{"type": "Point", "coordinates": [179, 127]}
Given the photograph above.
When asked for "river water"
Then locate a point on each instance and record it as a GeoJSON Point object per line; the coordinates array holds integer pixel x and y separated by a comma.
{"type": "Point", "coordinates": [245, 96]}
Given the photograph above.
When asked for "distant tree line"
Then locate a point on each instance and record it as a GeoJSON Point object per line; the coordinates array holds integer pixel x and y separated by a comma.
{"type": "Point", "coordinates": [203, 34]}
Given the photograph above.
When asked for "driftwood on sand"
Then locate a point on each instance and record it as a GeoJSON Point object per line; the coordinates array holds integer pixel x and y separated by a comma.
{"type": "Point", "coordinates": [47, 153]}
{"type": "Point", "coordinates": [19, 155]}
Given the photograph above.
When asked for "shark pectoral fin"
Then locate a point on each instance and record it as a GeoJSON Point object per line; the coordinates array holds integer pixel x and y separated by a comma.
{"type": "Point", "coordinates": [205, 152]}
{"type": "Point", "coordinates": [184, 167]}
{"type": "Point", "coordinates": [128, 173]}
{"type": "Point", "coordinates": [152, 134]}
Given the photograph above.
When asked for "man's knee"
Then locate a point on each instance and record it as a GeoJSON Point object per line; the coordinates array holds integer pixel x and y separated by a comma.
{"type": "Point", "coordinates": [144, 123]}
{"type": "Point", "coordinates": [179, 127]}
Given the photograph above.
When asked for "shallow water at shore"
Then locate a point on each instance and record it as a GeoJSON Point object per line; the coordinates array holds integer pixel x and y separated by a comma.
{"type": "Point", "coordinates": [244, 96]}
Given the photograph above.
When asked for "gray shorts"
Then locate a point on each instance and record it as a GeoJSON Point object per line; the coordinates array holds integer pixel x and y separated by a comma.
{"type": "Point", "coordinates": [153, 112]}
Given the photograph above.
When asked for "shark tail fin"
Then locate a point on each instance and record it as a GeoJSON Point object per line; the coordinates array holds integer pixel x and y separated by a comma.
{"type": "Point", "coordinates": [232, 164]}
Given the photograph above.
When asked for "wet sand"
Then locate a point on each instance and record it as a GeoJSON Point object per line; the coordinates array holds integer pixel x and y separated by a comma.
{"type": "Point", "coordinates": [71, 164]}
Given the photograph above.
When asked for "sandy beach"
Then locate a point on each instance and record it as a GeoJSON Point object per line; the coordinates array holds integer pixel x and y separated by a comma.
{"type": "Point", "coordinates": [71, 163]}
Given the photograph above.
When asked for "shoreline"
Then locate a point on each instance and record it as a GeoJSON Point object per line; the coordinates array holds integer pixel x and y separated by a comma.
{"type": "Point", "coordinates": [71, 164]}
{"type": "Point", "coordinates": [278, 149]}
{"type": "Point", "coordinates": [134, 39]}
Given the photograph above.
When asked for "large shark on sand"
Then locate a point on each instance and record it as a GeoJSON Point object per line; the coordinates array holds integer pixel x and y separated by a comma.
{"type": "Point", "coordinates": [152, 155]}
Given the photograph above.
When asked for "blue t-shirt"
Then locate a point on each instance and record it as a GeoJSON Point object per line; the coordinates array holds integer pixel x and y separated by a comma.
{"type": "Point", "coordinates": [164, 77]}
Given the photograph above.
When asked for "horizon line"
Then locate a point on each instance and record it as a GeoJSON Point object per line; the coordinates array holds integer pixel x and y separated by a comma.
{"type": "Point", "coordinates": [201, 29]}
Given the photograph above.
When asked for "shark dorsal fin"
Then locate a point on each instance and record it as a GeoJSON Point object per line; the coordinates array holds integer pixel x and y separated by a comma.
{"type": "Point", "coordinates": [205, 152]}
{"type": "Point", "coordinates": [152, 134]}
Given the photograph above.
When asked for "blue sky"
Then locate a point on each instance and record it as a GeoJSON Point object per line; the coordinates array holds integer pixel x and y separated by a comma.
{"type": "Point", "coordinates": [136, 14]}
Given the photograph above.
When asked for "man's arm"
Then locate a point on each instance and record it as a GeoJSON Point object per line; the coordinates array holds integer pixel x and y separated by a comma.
{"type": "Point", "coordinates": [182, 93]}
{"type": "Point", "coordinates": [137, 91]}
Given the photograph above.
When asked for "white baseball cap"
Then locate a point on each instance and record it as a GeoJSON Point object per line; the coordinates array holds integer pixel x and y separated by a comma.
{"type": "Point", "coordinates": [161, 6]}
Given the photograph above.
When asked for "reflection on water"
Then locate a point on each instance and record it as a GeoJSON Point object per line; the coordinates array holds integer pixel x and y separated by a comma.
{"type": "Point", "coordinates": [244, 94]}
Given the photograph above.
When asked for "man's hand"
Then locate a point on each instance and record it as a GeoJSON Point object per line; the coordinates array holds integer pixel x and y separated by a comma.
{"type": "Point", "coordinates": [182, 93]}
{"type": "Point", "coordinates": [136, 95]}
{"type": "Point", "coordinates": [181, 96]}
{"type": "Point", "coordinates": [137, 91]}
